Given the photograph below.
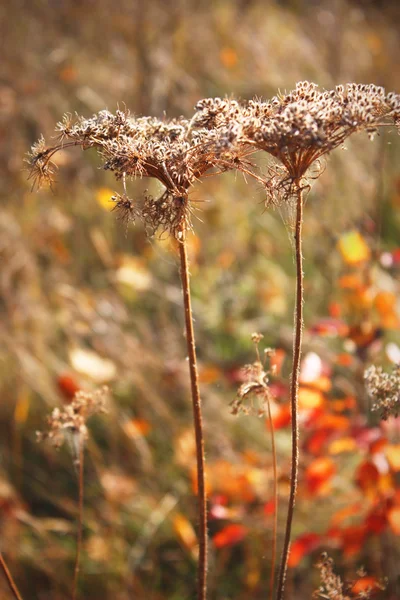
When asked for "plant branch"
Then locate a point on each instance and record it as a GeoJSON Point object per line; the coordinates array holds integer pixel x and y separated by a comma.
{"type": "Point", "coordinates": [81, 452]}
{"type": "Point", "coordinates": [11, 583]}
{"type": "Point", "coordinates": [198, 420]}
{"type": "Point", "coordinates": [294, 389]}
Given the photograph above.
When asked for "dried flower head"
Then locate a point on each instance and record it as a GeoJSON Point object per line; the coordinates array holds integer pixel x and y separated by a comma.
{"type": "Point", "coordinates": [300, 127]}
{"type": "Point", "coordinates": [254, 394]}
{"type": "Point", "coordinates": [384, 389]}
{"type": "Point", "coordinates": [72, 419]}
{"type": "Point", "coordinates": [333, 588]}
{"type": "Point", "coordinates": [174, 152]}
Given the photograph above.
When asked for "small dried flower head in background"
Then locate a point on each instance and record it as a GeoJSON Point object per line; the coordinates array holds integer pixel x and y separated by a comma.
{"type": "Point", "coordinates": [384, 389]}
{"type": "Point", "coordinates": [70, 422]}
{"type": "Point", "coordinates": [332, 587]}
{"type": "Point", "coordinates": [256, 386]}
{"type": "Point", "coordinates": [331, 584]}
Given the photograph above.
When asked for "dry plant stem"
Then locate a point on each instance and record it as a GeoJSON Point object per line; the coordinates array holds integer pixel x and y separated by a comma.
{"type": "Point", "coordinates": [80, 516]}
{"type": "Point", "coordinates": [9, 577]}
{"type": "Point", "coordinates": [198, 420]}
{"type": "Point", "coordinates": [294, 389]}
{"type": "Point", "coordinates": [275, 493]}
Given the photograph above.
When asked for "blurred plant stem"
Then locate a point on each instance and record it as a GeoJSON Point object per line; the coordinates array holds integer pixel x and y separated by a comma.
{"type": "Point", "coordinates": [197, 417]}
{"type": "Point", "coordinates": [81, 453]}
{"type": "Point", "coordinates": [294, 387]}
{"type": "Point", "coordinates": [275, 495]}
{"type": "Point", "coordinates": [11, 583]}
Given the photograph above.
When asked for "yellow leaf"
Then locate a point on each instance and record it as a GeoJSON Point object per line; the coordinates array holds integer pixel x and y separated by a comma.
{"type": "Point", "coordinates": [345, 444]}
{"type": "Point", "coordinates": [184, 530]}
{"type": "Point", "coordinates": [22, 408]}
{"type": "Point", "coordinates": [393, 455]}
{"type": "Point", "coordinates": [353, 248]}
{"type": "Point", "coordinates": [103, 197]}
{"type": "Point", "coordinates": [133, 273]}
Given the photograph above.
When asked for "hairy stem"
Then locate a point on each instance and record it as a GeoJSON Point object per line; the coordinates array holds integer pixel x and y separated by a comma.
{"type": "Point", "coordinates": [198, 420]}
{"type": "Point", "coordinates": [11, 583]}
{"type": "Point", "coordinates": [275, 495]}
{"type": "Point", "coordinates": [294, 390]}
{"type": "Point", "coordinates": [81, 453]}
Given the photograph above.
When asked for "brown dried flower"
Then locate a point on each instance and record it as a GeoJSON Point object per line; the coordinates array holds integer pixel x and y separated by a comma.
{"type": "Point", "coordinates": [72, 419]}
{"type": "Point", "coordinates": [384, 388]}
{"type": "Point", "coordinates": [300, 127]}
{"type": "Point", "coordinates": [256, 386]}
{"type": "Point", "coordinates": [174, 152]}
{"type": "Point", "coordinates": [333, 588]}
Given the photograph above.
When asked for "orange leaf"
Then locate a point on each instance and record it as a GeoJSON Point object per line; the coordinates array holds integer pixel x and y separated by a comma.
{"type": "Point", "coordinates": [376, 519]}
{"type": "Point", "coordinates": [67, 385]}
{"type": "Point", "coordinates": [333, 422]}
{"type": "Point", "coordinates": [304, 544]}
{"type": "Point", "coordinates": [344, 359]}
{"type": "Point", "coordinates": [310, 398]}
{"type": "Point", "coordinates": [345, 444]}
{"type": "Point", "coordinates": [367, 477]}
{"type": "Point", "coordinates": [281, 416]}
{"type": "Point", "coordinates": [385, 302]}
{"type": "Point", "coordinates": [353, 248]}
{"type": "Point", "coordinates": [229, 57]}
{"type": "Point", "coordinates": [185, 531]}
{"type": "Point", "coordinates": [393, 455]}
{"type": "Point", "coordinates": [366, 584]}
{"type": "Point", "coordinates": [318, 475]}
{"type": "Point", "coordinates": [394, 519]}
{"type": "Point", "coordinates": [229, 535]}
{"type": "Point", "coordinates": [350, 282]}
{"type": "Point", "coordinates": [345, 513]}
{"type": "Point", "coordinates": [209, 374]}
{"type": "Point", "coordinates": [136, 427]}
{"type": "Point", "coordinates": [352, 538]}
{"type": "Point", "coordinates": [317, 440]}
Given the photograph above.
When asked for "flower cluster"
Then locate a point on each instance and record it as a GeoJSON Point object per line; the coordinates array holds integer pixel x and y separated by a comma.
{"type": "Point", "coordinates": [297, 129]}
{"type": "Point", "coordinates": [384, 388]}
{"type": "Point", "coordinates": [72, 419]}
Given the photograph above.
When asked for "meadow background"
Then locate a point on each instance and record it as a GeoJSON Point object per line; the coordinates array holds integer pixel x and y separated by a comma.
{"type": "Point", "coordinates": [86, 302]}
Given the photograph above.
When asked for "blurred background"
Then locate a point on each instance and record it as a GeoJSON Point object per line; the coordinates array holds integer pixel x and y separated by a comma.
{"type": "Point", "coordinates": [85, 302]}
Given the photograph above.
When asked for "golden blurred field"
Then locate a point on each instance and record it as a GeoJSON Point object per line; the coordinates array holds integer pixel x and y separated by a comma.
{"type": "Point", "coordinates": [86, 302]}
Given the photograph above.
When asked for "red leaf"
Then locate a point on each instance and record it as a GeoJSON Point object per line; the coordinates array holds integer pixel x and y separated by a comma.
{"type": "Point", "coordinates": [367, 477]}
{"type": "Point", "coordinates": [68, 386]}
{"type": "Point", "coordinates": [304, 544]}
{"type": "Point", "coordinates": [229, 535]}
{"type": "Point", "coordinates": [319, 474]}
{"type": "Point", "coordinates": [281, 416]}
{"type": "Point", "coordinates": [366, 584]}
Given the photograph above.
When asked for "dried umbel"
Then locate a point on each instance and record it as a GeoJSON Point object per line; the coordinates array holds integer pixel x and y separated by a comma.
{"type": "Point", "coordinates": [332, 587]}
{"type": "Point", "coordinates": [300, 127]}
{"type": "Point", "coordinates": [384, 389]}
{"type": "Point", "coordinates": [254, 394]}
{"type": "Point", "coordinates": [174, 152]}
{"type": "Point", "coordinates": [71, 421]}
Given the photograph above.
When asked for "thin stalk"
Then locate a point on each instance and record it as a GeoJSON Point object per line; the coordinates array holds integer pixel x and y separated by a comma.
{"type": "Point", "coordinates": [294, 390]}
{"type": "Point", "coordinates": [11, 583]}
{"type": "Point", "coordinates": [275, 496]}
{"type": "Point", "coordinates": [198, 420]}
{"type": "Point", "coordinates": [81, 453]}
